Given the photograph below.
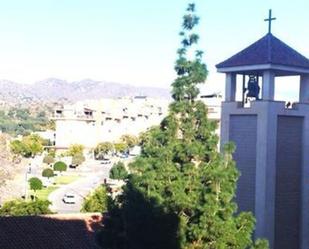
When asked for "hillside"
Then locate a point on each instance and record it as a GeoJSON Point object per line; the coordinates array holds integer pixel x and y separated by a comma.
{"type": "Point", "coordinates": [10, 186]}
{"type": "Point", "coordinates": [53, 89]}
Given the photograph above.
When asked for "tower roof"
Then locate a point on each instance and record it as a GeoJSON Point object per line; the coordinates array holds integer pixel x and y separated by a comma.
{"type": "Point", "coordinates": [267, 51]}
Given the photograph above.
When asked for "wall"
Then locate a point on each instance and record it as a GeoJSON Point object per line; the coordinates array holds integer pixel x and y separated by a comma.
{"type": "Point", "coordinates": [243, 132]}
{"type": "Point", "coordinates": [281, 193]}
{"type": "Point", "coordinates": [288, 182]}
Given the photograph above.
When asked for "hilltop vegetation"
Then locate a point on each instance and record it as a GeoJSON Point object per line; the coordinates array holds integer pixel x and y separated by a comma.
{"type": "Point", "coordinates": [22, 121]}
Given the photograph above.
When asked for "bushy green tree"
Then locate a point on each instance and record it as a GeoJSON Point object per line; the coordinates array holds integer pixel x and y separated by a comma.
{"type": "Point", "coordinates": [97, 201]}
{"type": "Point", "coordinates": [120, 147]}
{"type": "Point", "coordinates": [180, 193]}
{"type": "Point", "coordinates": [34, 143]}
{"type": "Point", "coordinates": [35, 184]}
{"type": "Point", "coordinates": [75, 149]}
{"type": "Point", "coordinates": [60, 166]}
{"type": "Point", "coordinates": [23, 208]}
{"type": "Point", "coordinates": [78, 159]}
{"type": "Point", "coordinates": [29, 146]}
{"type": "Point", "coordinates": [47, 173]}
{"type": "Point", "coordinates": [118, 171]}
{"type": "Point", "coordinates": [48, 159]}
{"type": "Point", "coordinates": [102, 149]}
{"type": "Point", "coordinates": [129, 140]}
{"type": "Point", "coordinates": [18, 148]}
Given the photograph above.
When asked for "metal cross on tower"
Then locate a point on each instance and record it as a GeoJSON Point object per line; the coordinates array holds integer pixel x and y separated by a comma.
{"type": "Point", "coordinates": [269, 20]}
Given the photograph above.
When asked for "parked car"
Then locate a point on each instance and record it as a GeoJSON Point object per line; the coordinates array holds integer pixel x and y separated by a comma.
{"type": "Point", "coordinates": [123, 155]}
{"type": "Point", "coordinates": [106, 161]}
{"type": "Point", "coordinates": [73, 166]}
{"type": "Point", "coordinates": [69, 198]}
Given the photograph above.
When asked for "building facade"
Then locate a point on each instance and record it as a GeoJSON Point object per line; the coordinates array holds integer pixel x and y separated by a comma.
{"type": "Point", "coordinates": [91, 122]}
{"type": "Point", "coordinates": [94, 121]}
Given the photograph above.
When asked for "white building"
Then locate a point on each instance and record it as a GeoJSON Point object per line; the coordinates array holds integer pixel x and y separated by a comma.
{"type": "Point", "coordinates": [213, 103]}
{"type": "Point", "coordinates": [49, 135]}
{"type": "Point", "coordinates": [95, 121]}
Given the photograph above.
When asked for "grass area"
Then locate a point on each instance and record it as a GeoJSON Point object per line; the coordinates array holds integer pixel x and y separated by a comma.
{"type": "Point", "coordinates": [60, 180]}
{"type": "Point", "coordinates": [44, 193]}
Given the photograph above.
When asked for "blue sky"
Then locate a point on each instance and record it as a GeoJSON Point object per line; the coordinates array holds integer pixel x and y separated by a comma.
{"type": "Point", "coordinates": [132, 41]}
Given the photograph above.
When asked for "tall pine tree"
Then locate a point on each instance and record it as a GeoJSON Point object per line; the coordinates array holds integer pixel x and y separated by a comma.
{"type": "Point", "coordinates": [180, 191]}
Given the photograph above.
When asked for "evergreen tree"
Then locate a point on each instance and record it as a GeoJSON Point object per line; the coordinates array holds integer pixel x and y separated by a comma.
{"type": "Point", "coordinates": [180, 191]}
{"type": "Point", "coordinates": [118, 171]}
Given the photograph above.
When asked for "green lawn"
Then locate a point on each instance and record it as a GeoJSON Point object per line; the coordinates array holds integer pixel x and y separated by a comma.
{"type": "Point", "coordinates": [61, 180]}
{"type": "Point", "coordinates": [44, 193]}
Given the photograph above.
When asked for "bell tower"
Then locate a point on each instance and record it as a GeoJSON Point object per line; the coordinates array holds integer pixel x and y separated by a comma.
{"type": "Point", "coordinates": [272, 140]}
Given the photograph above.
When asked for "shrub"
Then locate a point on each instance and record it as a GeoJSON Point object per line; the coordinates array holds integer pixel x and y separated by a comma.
{"type": "Point", "coordinates": [97, 201]}
{"type": "Point", "coordinates": [22, 208]}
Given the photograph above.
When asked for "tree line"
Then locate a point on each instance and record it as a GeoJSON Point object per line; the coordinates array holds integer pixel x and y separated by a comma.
{"type": "Point", "coordinates": [20, 121]}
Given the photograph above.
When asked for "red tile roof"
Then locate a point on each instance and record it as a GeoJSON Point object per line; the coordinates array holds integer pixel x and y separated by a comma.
{"type": "Point", "coordinates": [49, 232]}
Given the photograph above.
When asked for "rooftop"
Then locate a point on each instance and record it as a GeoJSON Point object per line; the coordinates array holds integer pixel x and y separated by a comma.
{"type": "Point", "coordinates": [49, 231]}
{"type": "Point", "coordinates": [266, 53]}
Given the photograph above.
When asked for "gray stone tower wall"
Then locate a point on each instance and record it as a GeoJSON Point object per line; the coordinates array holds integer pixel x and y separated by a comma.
{"type": "Point", "coordinates": [288, 181]}
{"type": "Point", "coordinates": [245, 126]}
{"type": "Point", "coordinates": [272, 144]}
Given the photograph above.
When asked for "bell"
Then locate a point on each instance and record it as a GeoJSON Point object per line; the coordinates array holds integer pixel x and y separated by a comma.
{"type": "Point", "coordinates": [253, 87]}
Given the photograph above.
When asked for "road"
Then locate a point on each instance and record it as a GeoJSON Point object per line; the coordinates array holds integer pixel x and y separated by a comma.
{"type": "Point", "coordinates": [93, 174]}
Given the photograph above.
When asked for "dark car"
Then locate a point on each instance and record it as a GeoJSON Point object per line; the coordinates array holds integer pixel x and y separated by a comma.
{"type": "Point", "coordinates": [106, 161]}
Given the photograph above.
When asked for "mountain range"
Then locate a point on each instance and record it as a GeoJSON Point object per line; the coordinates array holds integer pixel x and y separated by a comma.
{"type": "Point", "coordinates": [53, 90]}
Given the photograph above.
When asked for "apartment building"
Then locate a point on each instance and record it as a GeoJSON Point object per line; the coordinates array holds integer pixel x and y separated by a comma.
{"type": "Point", "coordinates": [94, 121]}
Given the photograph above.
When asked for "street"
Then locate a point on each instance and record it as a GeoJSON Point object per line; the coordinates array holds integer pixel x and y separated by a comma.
{"type": "Point", "coordinates": [93, 174]}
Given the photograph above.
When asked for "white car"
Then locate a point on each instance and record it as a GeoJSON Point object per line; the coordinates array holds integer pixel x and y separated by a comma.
{"type": "Point", "coordinates": [69, 198]}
